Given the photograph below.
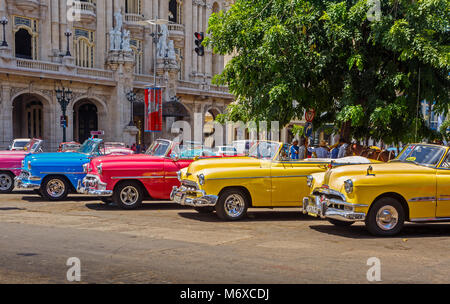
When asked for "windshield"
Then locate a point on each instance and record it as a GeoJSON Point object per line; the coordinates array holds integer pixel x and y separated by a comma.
{"type": "Point", "coordinates": [88, 147]}
{"type": "Point", "coordinates": [264, 150]}
{"type": "Point", "coordinates": [70, 147]}
{"type": "Point", "coordinates": [158, 148]}
{"type": "Point", "coordinates": [421, 154]}
{"type": "Point", "coordinates": [21, 144]}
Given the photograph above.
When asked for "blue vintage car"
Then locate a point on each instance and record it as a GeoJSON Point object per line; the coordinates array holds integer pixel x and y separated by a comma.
{"type": "Point", "coordinates": [55, 175]}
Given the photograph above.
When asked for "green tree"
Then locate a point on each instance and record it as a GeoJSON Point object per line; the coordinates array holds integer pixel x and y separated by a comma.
{"type": "Point", "coordinates": [366, 76]}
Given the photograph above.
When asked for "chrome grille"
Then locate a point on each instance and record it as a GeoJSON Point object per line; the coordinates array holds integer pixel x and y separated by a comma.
{"type": "Point", "coordinates": [190, 185]}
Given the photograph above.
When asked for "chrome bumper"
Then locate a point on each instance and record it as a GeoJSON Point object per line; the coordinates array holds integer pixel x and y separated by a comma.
{"type": "Point", "coordinates": [90, 186]}
{"type": "Point", "coordinates": [183, 196]}
{"type": "Point", "coordinates": [21, 184]}
{"type": "Point", "coordinates": [314, 205]}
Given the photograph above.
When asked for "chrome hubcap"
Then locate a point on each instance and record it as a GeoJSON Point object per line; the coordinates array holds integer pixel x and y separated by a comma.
{"type": "Point", "coordinates": [234, 205]}
{"type": "Point", "coordinates": [387, 217]}
{"type": "Point", "coordinates": [5, 181]}
{"type": "Point", "coordinates": [55, 188]}
{"type": "Point", "coordinates": [129, 195]}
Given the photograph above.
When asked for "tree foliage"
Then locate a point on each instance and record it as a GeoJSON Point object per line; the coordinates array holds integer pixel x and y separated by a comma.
{"type": "Point", "coordinates": [365, 75]}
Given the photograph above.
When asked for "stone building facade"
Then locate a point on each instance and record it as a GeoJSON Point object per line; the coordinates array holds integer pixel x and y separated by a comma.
{"type": "Point", "coordinates": [100, 68]}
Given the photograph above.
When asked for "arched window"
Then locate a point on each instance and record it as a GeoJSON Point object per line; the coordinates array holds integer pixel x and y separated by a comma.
{"type": "Point", "coordinates": [136, 46]}
{"type": "Point", "coordinates": [84, 48]}
{"type": "Point", "coordinates": [25, 37]}
{"type": "Point", "coordinates": [23, 44]}
{"type": "Point", "coordinates": [133, 7]}
{"type": "Point", "coordinates": [176, 11]}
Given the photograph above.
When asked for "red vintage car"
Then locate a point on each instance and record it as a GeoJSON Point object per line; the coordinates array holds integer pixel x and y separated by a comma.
{"type": "Point", "coordinates": [11, 163]}
{"type": "Point", "coordinates": [127, 180]}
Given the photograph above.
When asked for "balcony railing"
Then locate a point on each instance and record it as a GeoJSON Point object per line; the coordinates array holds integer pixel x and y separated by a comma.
{"type": "Point", "coordinates": [176, 30]}
{"type": "Point", "coordinates": [87, 10]}
{"type": "Point", "coordinates": [56, 67]}
{"type": "Point", "coordinates": [97, 73]}
{"type": "Point", "coordinates": [133, 19]}
{"type": "Point", "coordinates": [37, 65]}
{"type": "Point", "coordinates": [26, 4]}
{"type": "Point", "coordinates": [148, 79]}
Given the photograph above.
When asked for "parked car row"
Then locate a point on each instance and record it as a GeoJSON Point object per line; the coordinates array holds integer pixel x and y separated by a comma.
{"type": "Point", "coordinates": [413, 187]}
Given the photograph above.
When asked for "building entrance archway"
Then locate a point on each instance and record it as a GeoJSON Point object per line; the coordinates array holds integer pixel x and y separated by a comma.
{"type": "Point", "coordinates": [85, 120]}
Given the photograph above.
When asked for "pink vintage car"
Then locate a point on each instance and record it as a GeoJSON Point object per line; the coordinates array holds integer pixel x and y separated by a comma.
{"type": "Point", "coordinates": [11, 163]}
{"type": "Point", "coordinates": [129, 179]}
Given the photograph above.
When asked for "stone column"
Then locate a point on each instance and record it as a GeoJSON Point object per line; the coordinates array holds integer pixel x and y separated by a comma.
{"type": "Point", "coordinates": [201, 28]}
{"type": "Point", "coordinates": [45, 29]}
{"type": "Point", "coordinates": [6, 119]}
{"type": "Point", "coordinates": [156, 9]}
{"type": "Point", "coordinates": [189, 38]}
{"type": "Point", "coordinates": [119, 107]}
{"type": "Point", "coordinates": [208, 51]}
{"type": "Point", "coordinates": [101, 44]}
{"type": "Point", "coordinates": [194, 29]}
{"type": "Point", "coordinates": [164, 9]}
{"type": "Point", "coordinates": [55, 28]}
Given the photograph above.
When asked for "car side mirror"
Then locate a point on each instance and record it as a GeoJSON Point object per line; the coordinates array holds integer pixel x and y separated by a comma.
{"type": "Point", "coordinates": [174, 156]}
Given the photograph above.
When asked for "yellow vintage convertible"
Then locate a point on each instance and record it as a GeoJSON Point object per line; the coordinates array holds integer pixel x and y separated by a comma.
{"type": "Point", "coordinates": [413, 187]}
{"type": "Point", "coordinates": [266, 178]}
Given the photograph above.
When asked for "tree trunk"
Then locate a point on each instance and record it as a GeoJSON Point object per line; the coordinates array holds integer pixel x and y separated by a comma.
{"type": "Point", "coordinates": [346, 131]}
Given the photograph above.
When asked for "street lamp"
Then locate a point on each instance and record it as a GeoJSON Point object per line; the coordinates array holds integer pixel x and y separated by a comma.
{"type": "Point", "coordinates": [4, 22]}
{"type": "Point", "coordinates": [64, 97]}
{"type": "Point", "coordinates": [131, 96]}
{"type": "Point", "coordinates": [155, 35]}
{"type": "Point", "coordinates": [68, 34]}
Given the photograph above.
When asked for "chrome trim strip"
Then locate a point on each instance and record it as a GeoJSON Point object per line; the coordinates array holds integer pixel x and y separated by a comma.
{"type": "Point", "coordinates": [62, 173]}
{"type": "Point", "coordinates": [328, 191]}
{"type": "Point", "coordinates": [244, 177]}
{"type": "Point", "coordinates": [422, 199]}
{"type": "Point", "coordinates": [10, 168]}
{"type": "Point", "coordinates": [123, 177]}
{"type": "Point", "coordinates": [430, 219]}
{"type": "Point", "coordinates": [344, 203]}
{"type": "Point", "coordinates": [289, 176]}
{"type": "Point", "coordinates": [171, 177]}
{"type": "Point", "coordinates": [219, 178]}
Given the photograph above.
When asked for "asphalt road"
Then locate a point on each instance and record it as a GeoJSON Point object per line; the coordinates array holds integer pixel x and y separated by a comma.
{"type": "Point", "coordinates": [166, 243]}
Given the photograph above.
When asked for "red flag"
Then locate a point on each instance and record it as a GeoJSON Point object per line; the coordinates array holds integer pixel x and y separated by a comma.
{"type": "Point", "coordinates": [153, 110]}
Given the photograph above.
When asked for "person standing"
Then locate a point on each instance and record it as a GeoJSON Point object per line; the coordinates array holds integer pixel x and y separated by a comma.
{"type": "Point", "coordinates": [322, 151]}
{"type": "Point", "coordinates": [302, 149]}
{"type": "Point", "coordinates": [133, 147]}
{"type": "Point", "coordinates": [342, 148]}
{"type": "Point", "coordinates": [294, 149]}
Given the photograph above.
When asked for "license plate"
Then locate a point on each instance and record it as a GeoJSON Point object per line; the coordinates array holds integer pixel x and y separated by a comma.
{"type": "Point", "coordinates": [312, 210]}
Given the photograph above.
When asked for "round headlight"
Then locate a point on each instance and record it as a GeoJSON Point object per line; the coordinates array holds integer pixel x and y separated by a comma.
{"type": "Point", "coordinates": [348, 185]}
{"type": "Point", "coordinates": [85, 170]}
{"type": "Point", "coordinates": [179, 175]}
{"type": "Point", "coordinates": [309, 181]}
{"type": "Point", "coordinates": [29, 165]}
{"type": "Point", "coordinates": [99, 169]}
{"type": "Point", "coordinates": [201, 179]}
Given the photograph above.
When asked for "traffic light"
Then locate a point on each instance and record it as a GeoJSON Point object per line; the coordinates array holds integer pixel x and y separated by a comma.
{"type": "Point", "coordinates": [200, 50]}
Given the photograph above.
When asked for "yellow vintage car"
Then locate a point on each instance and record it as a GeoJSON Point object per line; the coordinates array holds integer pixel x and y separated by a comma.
{"type": "Point", "coordinates": [266, 178]}
{"type": "Point", "coordinates": [414, 187]}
